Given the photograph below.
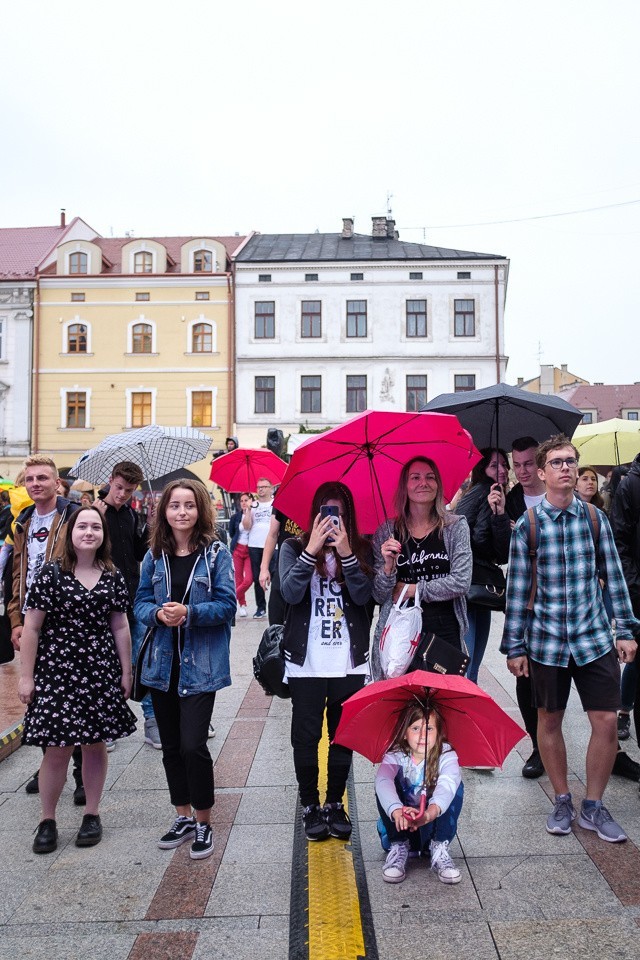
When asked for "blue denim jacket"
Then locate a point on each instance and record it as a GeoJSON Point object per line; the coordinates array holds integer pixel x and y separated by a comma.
{"type": "Point", "coordinates": [206, 633]}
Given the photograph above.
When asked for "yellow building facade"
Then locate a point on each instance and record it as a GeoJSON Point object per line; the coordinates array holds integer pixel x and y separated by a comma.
{"type": "Point", "coordinates": [130, 332]}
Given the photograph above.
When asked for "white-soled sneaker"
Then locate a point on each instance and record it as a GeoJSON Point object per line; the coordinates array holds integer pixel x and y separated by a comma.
{"type": "Point", "coordinates": [242, 611]}
{"type": "Point", "coordinates": [152, 734]}
{"type": "Point", "coordinates": [202, 846]}
{"type": "Point", "coordinates": [395, 866]}
{"type": "Point", "coordinates": [441, 862]}
{"type": "Point", "coordinates": [183, 829]}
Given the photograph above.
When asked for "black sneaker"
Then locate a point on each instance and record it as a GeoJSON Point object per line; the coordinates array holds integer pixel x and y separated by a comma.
{"type": "Point", "coordinates": [624, 766]}
{"type": "Point", "coordinates": [202, 846]}
{"type": "Point", "coordinates": [337, 820]}
{"type": "Point", "coordinates": [624, 726]}
{"type": "Point", "coordinates": [33, 786]}
{"type": "Point", "coordinates": [90, 831]}
{"type": "Point", "coordinates": [259, 615]}
{"type": "Point", "coordinates": [46, 839]}
{"type": "Point", "coordinates": [315, 825]}
{"type": "Point", "coordinates": [183, 829]}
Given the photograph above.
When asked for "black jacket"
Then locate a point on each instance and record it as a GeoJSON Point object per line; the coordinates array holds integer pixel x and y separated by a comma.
{"type": "Point", "coordinates": [625, 523]}
{"type": "Point", "coordinates": [490, 533]}
{"type": "Point", "coordinates": [129, 543]}
{"type": "Point", "coordinates": [515, 504]}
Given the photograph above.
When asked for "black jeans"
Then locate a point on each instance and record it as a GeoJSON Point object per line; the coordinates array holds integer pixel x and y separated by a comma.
{"type": "Point", "coordinates": [310, 697]}
{"type": "Point", "coordinates": [255, 556]}
{"type": "Point", "coordinates": [183, 724]}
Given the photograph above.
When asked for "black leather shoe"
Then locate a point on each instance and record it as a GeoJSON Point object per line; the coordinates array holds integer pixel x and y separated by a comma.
{"type": "Point", "coordinates": [90, 831]}
{"type": "Point", "coordinates": [534, 766]}
{"type": "Point", "coordinates": [79, 796]}
{"type": "Point", "coordinates": [624, 766]}
{"type": "Point", "coordinates": [33, 785]}
{"type": "Point", "coordinates": [46, 839]}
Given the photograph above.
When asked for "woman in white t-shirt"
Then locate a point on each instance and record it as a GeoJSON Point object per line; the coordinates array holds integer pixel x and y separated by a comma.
{"type": "Point", "coordinates": [326, 579]}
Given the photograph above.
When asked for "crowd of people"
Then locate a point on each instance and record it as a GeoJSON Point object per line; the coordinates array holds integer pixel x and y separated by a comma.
{"type": "Point", "coordinates": [91, 587]}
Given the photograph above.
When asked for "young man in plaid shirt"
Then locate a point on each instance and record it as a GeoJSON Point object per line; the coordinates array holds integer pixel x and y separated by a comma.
{"type": "Point", "coordinates": [568, 634]}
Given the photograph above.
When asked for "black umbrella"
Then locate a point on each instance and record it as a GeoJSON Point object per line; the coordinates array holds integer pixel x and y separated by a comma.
{"type": "Point", "coordinates": [496, 416]}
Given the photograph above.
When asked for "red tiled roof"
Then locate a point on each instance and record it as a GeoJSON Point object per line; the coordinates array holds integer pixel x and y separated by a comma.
{"type": "Point", "coordinates": [23, 248]}
{"type": "Point", "coordinates": [112, 250]}
{"type": "Point", "coordinates": [608, 400]}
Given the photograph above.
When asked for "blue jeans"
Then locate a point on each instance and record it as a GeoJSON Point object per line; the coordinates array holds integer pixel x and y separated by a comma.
{"type": "Point", "coordinates": [138, 631]}
{"type": "Point", "coordinates": [477, 637]}
{"type": "Point", "coordinates": [628, 685]}
{"type": "Point", "coordinates": [442, 828]}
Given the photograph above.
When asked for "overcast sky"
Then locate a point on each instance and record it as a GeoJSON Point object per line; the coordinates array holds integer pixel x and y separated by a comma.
{"type": "Point", "coordinates": [181, 119]}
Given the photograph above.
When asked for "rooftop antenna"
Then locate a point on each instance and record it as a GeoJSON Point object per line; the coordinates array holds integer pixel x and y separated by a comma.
{"type": "Point", "coordinates": [389, 211]}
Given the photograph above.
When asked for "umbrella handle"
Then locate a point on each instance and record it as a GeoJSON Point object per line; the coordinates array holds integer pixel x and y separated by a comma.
{"type": "Point", "coordinates": [412, 813]}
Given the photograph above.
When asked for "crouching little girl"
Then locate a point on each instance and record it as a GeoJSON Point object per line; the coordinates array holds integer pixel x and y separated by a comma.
{"type": "Point", "coordinates": [399, 780]}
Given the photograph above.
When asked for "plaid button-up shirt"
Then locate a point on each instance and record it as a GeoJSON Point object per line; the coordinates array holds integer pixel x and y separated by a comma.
{"type": "Point", "coordinates": [568, 617]}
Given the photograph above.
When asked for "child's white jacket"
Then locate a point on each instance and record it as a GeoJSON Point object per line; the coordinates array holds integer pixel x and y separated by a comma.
{"type": "Point", "coordinates": [399, 780]}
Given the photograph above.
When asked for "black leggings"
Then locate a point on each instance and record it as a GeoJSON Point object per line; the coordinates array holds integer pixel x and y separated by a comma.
{"type": "Point", "coordinates": [183, 724]}
{"type": "Point", "coordinates": [310, 697]}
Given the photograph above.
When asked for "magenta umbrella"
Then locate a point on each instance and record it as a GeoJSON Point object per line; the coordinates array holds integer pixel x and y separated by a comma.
{"type": "Point", "coordinates": [241, 469]}
{"type": "Point", "coordinates": [367, 454]}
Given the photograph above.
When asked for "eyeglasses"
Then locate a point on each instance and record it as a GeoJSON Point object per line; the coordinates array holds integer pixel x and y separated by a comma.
{"type": "Point", "coordinates": [557, 463]}
{"type": "Point", "coordinates": [268, 487]}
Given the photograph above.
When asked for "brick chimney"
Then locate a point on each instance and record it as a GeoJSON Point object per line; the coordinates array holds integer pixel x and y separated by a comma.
{"type": "Point", "coordinates": [347, 228]}
{"type": "Point", "coordinates": [63, 217]}
{"type": "Point", "coordinates": [379, 227]}
{"type": "Point", "coordinates": [520, 381]}
{"type": "Point", "coordinates": [392, 233]}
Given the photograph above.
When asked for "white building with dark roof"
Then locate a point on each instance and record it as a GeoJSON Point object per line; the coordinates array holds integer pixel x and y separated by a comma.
{"type": "Point", "coordinates": [328, 325]}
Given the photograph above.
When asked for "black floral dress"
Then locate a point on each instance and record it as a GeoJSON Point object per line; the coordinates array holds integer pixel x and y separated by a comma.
{"type": "Point", "coordinates": [78, 698]}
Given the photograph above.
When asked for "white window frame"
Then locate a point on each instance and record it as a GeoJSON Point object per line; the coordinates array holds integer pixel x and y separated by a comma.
{"type": "Point", "coordinates": [131, 325]}
{"type": "Point", "coordinates": [67, 258]}
{"type": "Point", "coordinates": [3, 339]}
{"type": "Point", "coordinates": [129, 395]}
{"type": "Point", "coordinates": [76, 388]}
{"type": "Point", "coordinates": [65, 336]}
{"type": "Point", "coordinates": [214, 335]}
{"type": "Point", "coordinates": [203, 388]}
{"type": "Point", "coordinates": [143, 248]}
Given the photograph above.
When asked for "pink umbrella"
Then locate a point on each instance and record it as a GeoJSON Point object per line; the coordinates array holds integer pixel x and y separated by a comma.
{"type": "Point", "coordinates": [367, 453]}
{"type": "Point", "coordinates": [241, 469]}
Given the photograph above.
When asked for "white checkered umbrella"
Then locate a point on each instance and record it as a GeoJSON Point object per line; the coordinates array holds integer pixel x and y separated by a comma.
{"type": "Point", "coordinates": [156, 450]}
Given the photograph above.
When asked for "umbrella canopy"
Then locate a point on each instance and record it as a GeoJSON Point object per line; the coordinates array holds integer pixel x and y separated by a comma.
{"type": "Point", "coordinates": [480, 732]}
{"type": "Point", "coordinates": [367, 454]}
{"type": "Point", "coordinates": [496, 416]}
{"type": "Point", "coordinates": [241, 469]}
{"type": "Point", "coordinates": [609, 442]}
{"type": "Point", "coordinates": [156, 450]}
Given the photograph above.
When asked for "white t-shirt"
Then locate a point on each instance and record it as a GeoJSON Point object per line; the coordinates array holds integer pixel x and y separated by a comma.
{"type": "Point", "coordinates": [328, 647]}
{"type": "Point", "coordinates": [261, 515]}
{"type": "Point", "coordinates": [533, 501]}
{"type": "Point", "coordinates": [37, 536]}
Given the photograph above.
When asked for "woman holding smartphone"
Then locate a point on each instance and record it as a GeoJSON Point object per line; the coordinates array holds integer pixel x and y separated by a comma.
{"type": "Point", "coordinates": [484, 507]}
{"type": "Point", "coordinates": [326, 580]}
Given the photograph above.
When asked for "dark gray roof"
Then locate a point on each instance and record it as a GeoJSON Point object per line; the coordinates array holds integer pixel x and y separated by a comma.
{"type": "Point", "coordinates": [315, 247]}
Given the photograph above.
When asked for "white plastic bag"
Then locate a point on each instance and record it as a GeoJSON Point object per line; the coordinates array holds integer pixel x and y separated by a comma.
{"type": "Point", "coordinates": [400, 636]}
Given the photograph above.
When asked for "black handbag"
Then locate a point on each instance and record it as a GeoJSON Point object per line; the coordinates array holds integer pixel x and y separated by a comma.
{"type": "Point", "coordinates": [438, 656]}
{"type": "Point", "coordinates": [139, 690]}
{"type": "Point", "coordinates": [268, 663]}
{"type": "Point", "coordinates": [488, 586]}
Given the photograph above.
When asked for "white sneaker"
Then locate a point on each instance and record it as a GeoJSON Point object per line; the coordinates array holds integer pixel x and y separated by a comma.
{"type": "Point", "coordinates": [111, 745]}
{"type": "Point", "coordinates": [441, 862]}
{"type": "Point", "coordinates": [152, 734]}
{"type": "Point", "coordinates": [395, 866]}
{"type": "Point", "coordinates": [242, 612]}
{"type": "Point", "coordinates": [211, 732]}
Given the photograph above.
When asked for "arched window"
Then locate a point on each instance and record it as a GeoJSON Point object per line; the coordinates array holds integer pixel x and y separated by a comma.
{"type": "Point", "coordinates": [202, 261]}
{"type": "Point", "coordinates": [202, 338]}
{"type": "Point", "coordinates": [143, 262]}
{"type": "Point", "coordinates": [78, 263]}
{"type": "Point", "coordinates": [76, 338]}
{"type": "Point", "coordinates": [141, 338]}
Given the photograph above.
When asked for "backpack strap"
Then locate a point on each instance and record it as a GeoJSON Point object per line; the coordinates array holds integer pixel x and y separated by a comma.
{"type": "Point", "coordinates": [594, 526]}
{"type": "Point", "coordinates": [533, 536]}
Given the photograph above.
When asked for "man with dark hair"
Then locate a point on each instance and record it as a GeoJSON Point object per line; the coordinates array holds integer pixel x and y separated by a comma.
{"type": "Point", "coordinates": [567, 634]}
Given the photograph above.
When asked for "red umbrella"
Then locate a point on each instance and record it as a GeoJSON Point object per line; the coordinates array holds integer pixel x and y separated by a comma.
{"type": "Point", "coordinates": [367, 453]}
{"type": "Point", "coordinates": [241, 469]}
{"type": "Point", "coordinates": [480, 732]}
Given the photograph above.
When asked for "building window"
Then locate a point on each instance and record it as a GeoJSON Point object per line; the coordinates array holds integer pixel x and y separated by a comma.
{"type": "Point", "coordinates": [463, 382]}
{"type": "Point", "coordinates": [202, 338]}
{"type": "Point", "coordinates": [202, 294]}
{"type": "Point", "coordinates": [78, 263]}
{"type": "Point", "coordinates": [311, 318]}
{"type": "Point", "coordinates": [265, 320]}
{"type": "Point", "coordinates": [415, 275]}
{"type": "Point", "coordinates": [310, 276]}
{"type": "Point", "coordinates": [201, 408]}
{"type": "Point", "coordinates": [264, 278]}
{"type": "Point", "coordinates": [76, 338]}
{"type": "Point", "coordinates": [464, 275]}
{"type": "Point", "coordinates": [416, 392]}
{"type": "Point", "coordinates": [141, 408]}
{"type": "Point", "coordinates": [416, 318]}
{"type": "Point", "coordinates": [311, 394]}
{"type": "Point", "coordinates": [265, 394]}
{"type": "Point", "coordinates": [143, 262]}
{"type": "Point", "coordinates": [143, 296]}
{"type": "Point", "coordinates": [356, 318]}
{"type": "Point", "coordinates": [141, 338]}
{"type": "Point", "coordinates": [76, 417]}
{"type": "Point", "coordinates": [356, 394]}
{"type": "Point", "coordinates": [465, 318]}
{"type": "Point", "coordinates": [587, 418]}
{"type": "Point", "coordinates": [632, 415]}
{"type": "Point", "coordinates": [77, 298]}
{"type": "Point", "coordinates": [202, 261]}
{"type": "Point", "coordinates": [357, 276]}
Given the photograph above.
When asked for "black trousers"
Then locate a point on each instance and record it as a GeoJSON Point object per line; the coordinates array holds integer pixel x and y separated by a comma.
{"type": "Point", "coordinates": [255, 556]}
{"type": "Point", "coordinates": [310, 697]}
{"type": "Point", "coordinates": [183, 724]}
